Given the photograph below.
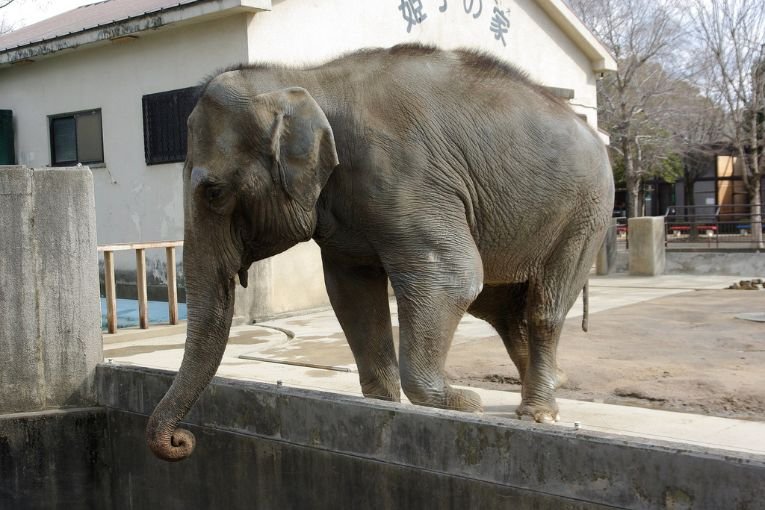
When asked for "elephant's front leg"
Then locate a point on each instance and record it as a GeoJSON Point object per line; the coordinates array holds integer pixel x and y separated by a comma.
{"type": "Point", "coordinates": [433, 291]}
{"type": "Point", "coordinates": [359, 296]}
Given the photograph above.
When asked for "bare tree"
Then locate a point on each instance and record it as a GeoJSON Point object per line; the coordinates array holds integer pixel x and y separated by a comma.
{"type": "Point", "coordinates": [695, 123]}
{"type": "Point", "coordinates": [5, 26]}
{"type": "Point", "coordinates": [641, 34]}
{"type": "Point", "coordinates": [731, 34]}
{"type": "Point", "coordinates": [16, 22]}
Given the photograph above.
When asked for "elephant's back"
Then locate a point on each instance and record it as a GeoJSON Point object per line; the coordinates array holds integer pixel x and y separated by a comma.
{"type": "Point", "coordinates": [436, 129]}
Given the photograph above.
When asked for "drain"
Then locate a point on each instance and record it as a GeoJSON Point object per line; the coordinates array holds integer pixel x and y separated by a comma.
{"type": "Point", "coordinates": [296, 363]}
{"type": "Point", "coordinates": [754, 316]}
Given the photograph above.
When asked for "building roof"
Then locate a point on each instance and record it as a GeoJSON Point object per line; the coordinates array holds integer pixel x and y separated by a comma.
{"type": "Point", "coordinates": [573, 27]}
{"type": "Point", "coordinates": [85, 17]}
{"type": "Point", "coordinates": [111, 19]}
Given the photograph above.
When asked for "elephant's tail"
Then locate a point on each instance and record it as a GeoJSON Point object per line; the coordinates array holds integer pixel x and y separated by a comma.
{"type": "Point", "coordinates": [585, 306]}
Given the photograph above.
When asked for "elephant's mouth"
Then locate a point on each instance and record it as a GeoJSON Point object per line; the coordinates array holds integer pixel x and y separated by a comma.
{"type": "Point", "coordinates": [242, 273]}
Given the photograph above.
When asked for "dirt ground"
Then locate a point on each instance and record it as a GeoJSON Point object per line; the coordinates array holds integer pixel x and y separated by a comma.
{"type": "Point", "coordinates": [684, 352]}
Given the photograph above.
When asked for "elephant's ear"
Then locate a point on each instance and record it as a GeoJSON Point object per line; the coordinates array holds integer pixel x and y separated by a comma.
{"type": "Point", "coordinates": [302, 143]}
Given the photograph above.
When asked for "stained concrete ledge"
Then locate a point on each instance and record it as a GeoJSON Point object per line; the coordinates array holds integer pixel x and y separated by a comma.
{"type": "Point", "coordinates": [55, 459]}
{"type": "Point", "coordinates": [264, 446]}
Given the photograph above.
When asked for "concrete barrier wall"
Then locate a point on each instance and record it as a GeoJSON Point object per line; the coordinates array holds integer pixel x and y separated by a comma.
{"type": "Point", "coordinates": [50, 336]}
{"type": "Point", "coordinates": [734, 263]}
{"type": "Point", "coordinates": [55, 460]}
{"type": "Point", "coordinates": [259, 446]}
{"type": "Point", "coordinates": [745, 263]}
{"type": "Point", "coordinates": [263, 447]}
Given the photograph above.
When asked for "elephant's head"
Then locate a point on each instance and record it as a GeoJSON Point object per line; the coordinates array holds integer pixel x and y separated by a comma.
{"type": "Point", "coordinates": [255, 167]}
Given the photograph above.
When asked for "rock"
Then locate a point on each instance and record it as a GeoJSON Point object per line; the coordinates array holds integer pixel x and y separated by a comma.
{"type": "Point", "coordinates": [747, 285]}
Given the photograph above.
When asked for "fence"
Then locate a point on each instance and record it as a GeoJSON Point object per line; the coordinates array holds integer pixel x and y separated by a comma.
{"type": "Point", "coordinates": [140, 270]}
{"type": "Point", "coordinates": [721, 226]}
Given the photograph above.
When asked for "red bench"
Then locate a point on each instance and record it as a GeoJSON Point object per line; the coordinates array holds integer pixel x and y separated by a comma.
{"type": "Point", "coordinates": [686, 228]}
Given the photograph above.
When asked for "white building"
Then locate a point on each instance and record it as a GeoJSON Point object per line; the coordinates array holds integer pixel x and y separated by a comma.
{"type": "Point", "coordinates": [105, 85]}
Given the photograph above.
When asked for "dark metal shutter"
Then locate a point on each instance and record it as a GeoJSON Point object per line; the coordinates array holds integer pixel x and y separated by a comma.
{"type": "Point", "coordinates": [164, 125]}
{"type": "Point", "coordinates": [7, 141]}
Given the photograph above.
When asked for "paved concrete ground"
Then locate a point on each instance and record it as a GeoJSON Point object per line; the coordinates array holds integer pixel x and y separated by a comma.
{"type": "Point", "coordinates": [309, 351]}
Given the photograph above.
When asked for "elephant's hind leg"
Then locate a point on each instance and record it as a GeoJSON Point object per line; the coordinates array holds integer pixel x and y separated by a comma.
{"type": "Point", "coordinates": [359, 296]}
{"type": "Point", "coordinates": [504, 307]}
{"type": "Point", "coordinates": [552, 293]}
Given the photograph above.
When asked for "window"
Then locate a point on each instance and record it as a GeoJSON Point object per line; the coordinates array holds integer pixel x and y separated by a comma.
{"type": "Point", "coordinates": [566, 94]}
{"type": "Point", "coordinates": [164, 125]}
{"type": "Point", "coordinates": [76, 138]}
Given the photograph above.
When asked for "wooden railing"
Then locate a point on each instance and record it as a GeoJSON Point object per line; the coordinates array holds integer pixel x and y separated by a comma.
{"type": "Point", "coordinates": [140, 271]}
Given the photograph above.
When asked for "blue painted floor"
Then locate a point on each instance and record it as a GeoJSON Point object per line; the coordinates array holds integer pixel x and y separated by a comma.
{"type": "Point", "coordinates": [127, 312]}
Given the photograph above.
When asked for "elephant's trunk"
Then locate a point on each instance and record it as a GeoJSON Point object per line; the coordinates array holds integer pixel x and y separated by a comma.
{"type": "Point", "coordinates": [211, 307]}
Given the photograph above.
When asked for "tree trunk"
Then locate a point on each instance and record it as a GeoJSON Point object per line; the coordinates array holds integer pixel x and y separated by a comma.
{"type": "Point", "coordinates": [755, 201]}
{"type": "Point", "coordinates": [632, 181]}
{"type": "Point", "coordinates": [689, 190]}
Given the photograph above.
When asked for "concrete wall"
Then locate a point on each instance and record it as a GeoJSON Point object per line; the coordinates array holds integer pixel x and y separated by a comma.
{"type": "Point", "coordinates": [293, 280]}
{"type": "Point", "coordinates": [259, 446]}
{"type": "Point", "coordinates": [534, 41]}
{"type": "Point", "coordinates": [55, 460]}
{"type": "Point", "coordinates": [743, 263]}
{"type": "Point", "coordinates": [50, 336]}
{"type": "Point", "coordinates": [724, 262]}
{"type": "Point", "coordinates": [647, 251]}
{"type": "Point", "coordinates": [262, 447]}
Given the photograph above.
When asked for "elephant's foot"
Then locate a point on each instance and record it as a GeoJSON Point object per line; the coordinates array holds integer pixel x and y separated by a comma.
{"type": "Point", "coordinates": [381, 391]}
{"type": "Point", "coordinates": [451, 398]}
{"type": "Point", "coordinates": [463, 400]}
{"type": "Point", "coordinates": [541, 413]}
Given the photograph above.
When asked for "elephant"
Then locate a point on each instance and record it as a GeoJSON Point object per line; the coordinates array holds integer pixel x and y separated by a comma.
{"type": "Point", "coordinates": [449, 174]}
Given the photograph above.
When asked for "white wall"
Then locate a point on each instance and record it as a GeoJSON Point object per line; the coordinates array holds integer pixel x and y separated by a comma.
{"type": "Point", "coordinates": [134, 202]}
{"type": "Point", "coordinates": [309, 31]}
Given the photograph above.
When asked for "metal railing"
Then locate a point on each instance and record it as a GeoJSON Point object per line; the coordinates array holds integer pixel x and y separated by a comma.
{"type": "Point", "coordinates": [140, 270]}
{"type": "Point", "coordinates": [699, 226]}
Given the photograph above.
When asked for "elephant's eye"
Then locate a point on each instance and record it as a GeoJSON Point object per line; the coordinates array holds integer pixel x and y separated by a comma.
{"type": "Point", "coordinates": [217, 197]}
{"type": "Point", "coordinates": [213, 193]}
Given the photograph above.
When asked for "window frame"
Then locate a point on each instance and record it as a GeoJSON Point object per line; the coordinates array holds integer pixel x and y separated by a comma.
{"type": "Point", "coordinates": [75, 115]}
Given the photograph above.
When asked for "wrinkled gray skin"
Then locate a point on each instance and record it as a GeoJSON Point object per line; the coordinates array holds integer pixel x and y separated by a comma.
{"type": "Point", "coordinates": [449, 173]}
